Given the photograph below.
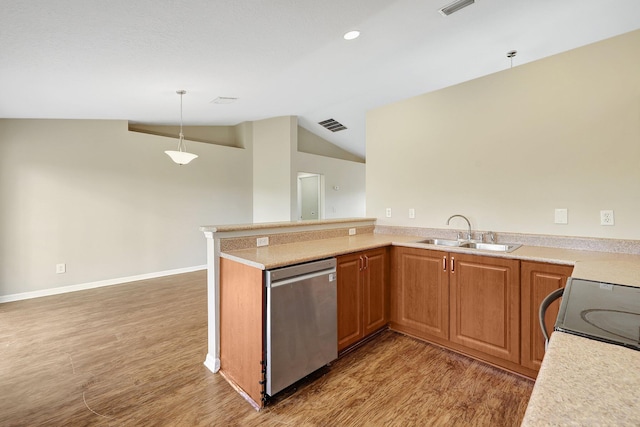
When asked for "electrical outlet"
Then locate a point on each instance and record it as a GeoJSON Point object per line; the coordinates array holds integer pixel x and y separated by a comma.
{"type": "Point", "coordinates": [61, 268]}
{"type": "Point", "coordinates": [262, 241]}
{"type": "Point", "coordinates": [388, 212]}
{"type": "Point", "coordinates": [352, 232]}
{"type": "Point", "coordinates": [412, 213]}
{"type": "Point", "coordinates": [561, 216]}
{"type": "Point", "coordinates": [606, 217]}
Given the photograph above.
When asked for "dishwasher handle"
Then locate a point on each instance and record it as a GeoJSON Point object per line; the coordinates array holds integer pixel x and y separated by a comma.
{"type": "Point", "coordinates": [330, 272]}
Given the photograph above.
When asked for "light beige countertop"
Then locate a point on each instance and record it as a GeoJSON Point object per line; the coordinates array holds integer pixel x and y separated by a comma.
{"type": "Point", "coordinates": [258, 226]}
{"type": "Point", "coordinates": [584, 382]}
{"type": "Point", "coordinates": [602, 266]}
{"type": "Point", "coordinates": [581, 382]}
{"type": "Point", "coordinates": [267, 257]}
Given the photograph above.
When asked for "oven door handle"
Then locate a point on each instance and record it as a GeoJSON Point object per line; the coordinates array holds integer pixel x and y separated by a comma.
{"type": "Point", "coordinates": [546, 302]}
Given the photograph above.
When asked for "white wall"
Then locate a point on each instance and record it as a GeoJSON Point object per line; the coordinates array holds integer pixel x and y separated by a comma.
{"type": "Point", "coordinates": [110, 204]}
{"type": "Point", "coordinates": [107, 202]}
{"type": "Point", "coordinates": [347, 202]}
{"type": "Point", "coordinates": [276, 163]}
{"type": "Point", "coordinates": [509, 148]}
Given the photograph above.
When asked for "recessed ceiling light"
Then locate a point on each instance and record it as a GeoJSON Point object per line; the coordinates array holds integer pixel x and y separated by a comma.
{"type": "Point", "coordinates": [352, 35]}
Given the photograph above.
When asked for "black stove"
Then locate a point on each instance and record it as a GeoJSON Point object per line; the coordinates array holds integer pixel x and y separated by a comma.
{"type": "Point", "coordinates": [603, 311]}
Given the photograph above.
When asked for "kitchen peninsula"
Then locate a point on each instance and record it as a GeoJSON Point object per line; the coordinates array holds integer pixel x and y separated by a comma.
{"type": "Point", "coordinates": [559, 382]}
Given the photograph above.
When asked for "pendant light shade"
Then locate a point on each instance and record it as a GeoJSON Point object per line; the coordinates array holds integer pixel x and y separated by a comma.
{"type": "Point", "coordinates": [181, 156]}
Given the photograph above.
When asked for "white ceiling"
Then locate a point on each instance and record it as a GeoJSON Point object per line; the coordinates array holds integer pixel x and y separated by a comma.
{"type": "Point", "coordinates": [124, 59]}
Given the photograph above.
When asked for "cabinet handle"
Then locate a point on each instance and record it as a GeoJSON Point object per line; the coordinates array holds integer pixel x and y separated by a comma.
{"type": "Point", "coordinates": [453, 265]}
{"type": "Point", "coordinates": [444, 263]}
{"type": "Point", "coordinates": [366, 262]}
{"type": "Point", "coordinates": [360, 264]}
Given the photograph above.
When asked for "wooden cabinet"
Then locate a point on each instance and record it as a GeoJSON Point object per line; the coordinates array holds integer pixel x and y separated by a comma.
{"type": "Point", "coordinates": [375, 304]}
{"type": "Point", "coordinates": [362, 295]}
{"type": "Point", "coordinates": [242, 305]}
{"type": "Point", "coordinates": [349, 299]}
{"type": "Point", "coordinates": [469, 303]}
{"type": "Point", "coordinates": [420, 293]}
{"type": "Point", "coordinates": [538, 281]}
{"type": "Point", "coordinates": [485, 304]}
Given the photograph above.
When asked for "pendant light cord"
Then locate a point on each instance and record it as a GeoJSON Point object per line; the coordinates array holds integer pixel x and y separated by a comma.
{"type": "Point", "coordinates": [511, 54]}
{"type": "Point", "coordinates": [181, 145]}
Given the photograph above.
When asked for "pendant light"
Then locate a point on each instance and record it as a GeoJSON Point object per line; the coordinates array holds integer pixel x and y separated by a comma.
{"type": "Point", "coordinates": [512, 54]}
{"type": "Point", "coordinates": [181, 157]}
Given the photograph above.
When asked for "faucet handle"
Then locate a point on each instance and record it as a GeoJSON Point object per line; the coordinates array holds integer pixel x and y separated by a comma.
{"type": "Point", "coordinates": [481, 237]}
{"type": "Point", "coordinates": [492, 236]}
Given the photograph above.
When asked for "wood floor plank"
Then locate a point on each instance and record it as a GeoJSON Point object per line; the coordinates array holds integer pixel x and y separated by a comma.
{"type": "Point", "coordinates": [132, 355]}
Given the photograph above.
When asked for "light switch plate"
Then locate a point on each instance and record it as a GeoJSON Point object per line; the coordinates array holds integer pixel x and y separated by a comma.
{"type": "Point", "coordinates": [561, 216]}
{"type": "Point", "coordinates": [412, 213]}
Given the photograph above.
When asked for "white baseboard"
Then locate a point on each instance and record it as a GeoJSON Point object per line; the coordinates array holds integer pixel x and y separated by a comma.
{"type": "Point", "coordinates": [98, 284]}
{"type": "Point", "coordinates": [212, 363]}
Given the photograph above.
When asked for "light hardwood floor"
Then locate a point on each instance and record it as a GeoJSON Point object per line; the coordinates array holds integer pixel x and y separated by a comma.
{"type": "Point", "coordinates": [132, 355]}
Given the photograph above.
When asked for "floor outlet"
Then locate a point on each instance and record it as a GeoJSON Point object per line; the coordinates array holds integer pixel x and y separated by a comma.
{"type": "Point", "coordinates": [61, 268]}
{"type": "Point", "coordinates": [388, 212]}
{"type": "Point", "coordinates": [262, 241]}
{"type": "Point", "coordinates": [352, 232]}
{"type": "Point", "coordinates": [606, 217]}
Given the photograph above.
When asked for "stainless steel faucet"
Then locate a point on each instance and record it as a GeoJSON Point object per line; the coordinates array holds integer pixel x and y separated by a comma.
{"type": "Point", "coordinates": [468, 223]}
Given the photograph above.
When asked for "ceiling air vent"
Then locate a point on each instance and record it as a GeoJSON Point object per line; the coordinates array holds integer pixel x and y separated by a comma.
{"type": "Point", "coordinates": [224, 100]}
{"type": "Point", "coordinates": [332, 125]}
{"type": "Point", "coordinates": [455, 6]}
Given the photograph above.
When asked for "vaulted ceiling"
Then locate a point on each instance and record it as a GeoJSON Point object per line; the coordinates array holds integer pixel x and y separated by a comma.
{"type": "Point", "coordinates": [125, 59]}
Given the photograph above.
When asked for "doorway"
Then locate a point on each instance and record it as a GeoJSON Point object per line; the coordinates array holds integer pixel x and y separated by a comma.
{"type": "Point", "coordinates": [310, 196]}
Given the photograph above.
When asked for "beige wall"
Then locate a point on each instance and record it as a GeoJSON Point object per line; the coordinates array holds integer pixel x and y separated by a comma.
{"type": "Point", "coordinates": [229, 136]}
{"type": "Point", "coordinates": [272, 184]}
{"type": "Point", "coordinates": [509, 148]}
{"type": "Point", "coordinates": [107, 202]}
{"type": "Point", "coordinates": [309, 142]}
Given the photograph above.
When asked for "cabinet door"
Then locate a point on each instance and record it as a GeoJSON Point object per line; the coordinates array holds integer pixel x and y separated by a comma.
{"type": "Point", "coordinates": [349, 300]}
{"type": "Point", "coordinates": [375, 301]}
{"type": "Point", "coordinates": [420, 293]}
{"type": "Point", "coordinates": [538, 281]}
{"type": "Point", "coordinates": [485, 304]}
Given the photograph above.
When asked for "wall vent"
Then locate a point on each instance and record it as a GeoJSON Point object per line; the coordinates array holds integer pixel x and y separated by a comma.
{"type": "Point", "coordinates": [332, 125]}
{"type": "Point", "coordinates": [455, 6]}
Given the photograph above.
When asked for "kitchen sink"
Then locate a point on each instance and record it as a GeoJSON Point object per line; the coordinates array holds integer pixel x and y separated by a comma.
{"type": "Point", "coordinates": [441, 242]}
{"type": "Point", "coordinates": [496, 247]}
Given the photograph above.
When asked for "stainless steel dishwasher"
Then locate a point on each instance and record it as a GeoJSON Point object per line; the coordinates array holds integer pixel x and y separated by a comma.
{"type": "Point", "coordinates": [301, 325]}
